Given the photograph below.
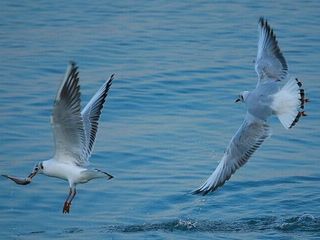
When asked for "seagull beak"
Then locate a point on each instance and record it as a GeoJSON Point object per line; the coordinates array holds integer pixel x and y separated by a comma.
{"type": "Point", "coordinates": [31, 175]}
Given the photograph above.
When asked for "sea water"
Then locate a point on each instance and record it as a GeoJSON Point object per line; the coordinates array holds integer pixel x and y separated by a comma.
{"type": "Point", "coordinates": [169, 116]}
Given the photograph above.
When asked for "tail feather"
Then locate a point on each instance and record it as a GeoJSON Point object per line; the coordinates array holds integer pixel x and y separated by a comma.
{"type": "Point", "coordinates": [105, 173]}
{"type": "Point", "coordinates": [90, 174]}
{"type": "Point", "coordinates": [288, 103]}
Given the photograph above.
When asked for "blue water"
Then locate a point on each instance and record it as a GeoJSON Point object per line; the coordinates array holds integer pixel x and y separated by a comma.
{"type": "Point", "coordinates": [168, 118]}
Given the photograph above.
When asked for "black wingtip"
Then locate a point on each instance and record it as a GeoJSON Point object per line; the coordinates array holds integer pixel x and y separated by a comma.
{"type": "Point", "coordinates": [72, 63]}
{"type": "Point", "coordinates": [112, 76]}
{"type": "Point", "coordinates": [264, 23]}
{"type": "Point", "coordinates": [73, 67]}
{"type": "Point", "coordinates": [109, 83]}
{"type": "Point", "coordinates": [200, 192]}
{"type": "Point", "coordinates": [261, 21]}
{"type": "Point", "coordinates": [73, 72]}
{"type": "Point", "coordinates": [110, 177]}
{"type": "Point", "coordinates": [195, 192]}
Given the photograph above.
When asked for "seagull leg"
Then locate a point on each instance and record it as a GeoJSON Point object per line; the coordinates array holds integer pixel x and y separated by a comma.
{"type": "Point", "coordinates": [66, 207]}
{"type": "Point", "coordinates": [74, 192]}
{"type": "Point", "coordinates": [67, 203]}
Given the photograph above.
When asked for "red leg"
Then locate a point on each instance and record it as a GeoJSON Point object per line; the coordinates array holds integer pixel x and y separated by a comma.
{"type": "Point", "coordinates": [65, 207]}
{"type": "Point", "coordinates": [67, 203]}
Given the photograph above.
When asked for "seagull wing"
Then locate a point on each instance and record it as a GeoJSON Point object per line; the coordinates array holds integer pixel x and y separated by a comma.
{"type": "Point", "coordinates": [67, 121]}
{"type": "Point", "coordinates": [247, 139]}
{"type": "Point", "coordinates": [270, 64]}
{"type": "Point", "coordinates": [91, 114]}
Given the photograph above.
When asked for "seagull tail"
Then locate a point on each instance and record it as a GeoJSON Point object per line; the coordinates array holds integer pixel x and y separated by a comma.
{"type": "Point", "coordinates": [96, 173]}
{"type": "Point", "coordinates": [288, 103]}
{"type": "Point", "coordinates": [103, 174]}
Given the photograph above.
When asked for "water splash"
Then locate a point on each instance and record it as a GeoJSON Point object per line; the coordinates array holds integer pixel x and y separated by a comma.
{"type": "Point", "coordinates": [305, 222]}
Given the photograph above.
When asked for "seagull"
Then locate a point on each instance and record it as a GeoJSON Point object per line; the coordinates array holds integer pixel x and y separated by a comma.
{"type": "Point", "coordinates": [74, 136]}
{"type": "Point", "coordinates": [268, 98]}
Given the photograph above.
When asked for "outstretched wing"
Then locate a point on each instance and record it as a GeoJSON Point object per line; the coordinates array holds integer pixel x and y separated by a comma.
{"type": "Point", "coordinates": [67, 121]}
{"type": "Point", "coordinates": [270, 64]}
{"type": "Point", "coordinates": [248, 138]}
{"type": "Point", "coordinates": [91, 114]}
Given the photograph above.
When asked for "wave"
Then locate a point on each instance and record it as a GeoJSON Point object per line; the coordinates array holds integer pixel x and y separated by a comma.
{"type": "Point", "coordinates": [305, 222]}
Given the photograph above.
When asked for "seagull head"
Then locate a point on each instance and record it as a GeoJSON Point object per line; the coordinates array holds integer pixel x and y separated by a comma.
{"type": "Point", "coordinates": [242, 96]}
{"type": "Point", "coordinates": [38, 168]}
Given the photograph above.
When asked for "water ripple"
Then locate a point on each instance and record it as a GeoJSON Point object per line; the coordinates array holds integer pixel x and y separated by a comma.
{"type": "Point", "coordinates": [304, 222]}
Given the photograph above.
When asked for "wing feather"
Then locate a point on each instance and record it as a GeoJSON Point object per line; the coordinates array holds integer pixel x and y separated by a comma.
{"type": "Point", "coordinates": [91, 114]}
{"type": "Point", "coordinates": [244, 143]}
{"type": "Point", "coordinates": [67, 121]}
{"type": "Point", "coordinates": [270, 63]}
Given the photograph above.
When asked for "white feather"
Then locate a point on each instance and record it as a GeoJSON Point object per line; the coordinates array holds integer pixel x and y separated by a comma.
{"type": "Point", "coordinates": [286, 103]}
